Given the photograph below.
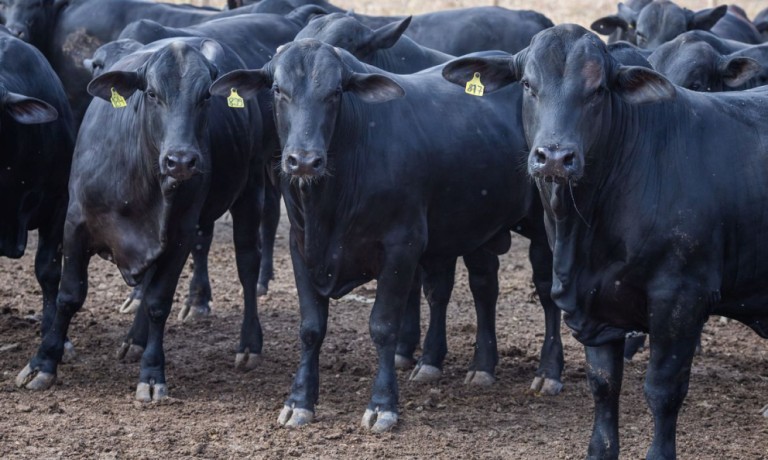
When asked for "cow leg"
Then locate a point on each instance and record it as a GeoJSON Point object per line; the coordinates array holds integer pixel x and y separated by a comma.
{"type": "Point", "coordinates": [157, 302]}
{"type": "Point", "coordinates": [268, 231]}
{"type": "Point", "coordinates": [299, 408]}
{"type": "Point", "coordinates": [605, 369]}
{"type": "Point", "coordinates": [136, 341]}
{"type": "Point", "coordinates": [40, 373]}
{"type": "Point", "coordinates": [483, 269]}
{"type": "Point", "coordinates": [246, 216]}
{"type": "Point", "coordinates": [133, 302]}
{"type": "Point", "coordinates": [633, 344]}
{"type": "Point", "coordinates": [438, 282]}
{"type": "Point", "coordinates": [199, 299]}
{"type": "Point", "coordinates": [395, 279]}
{"type": "Point", "coordinates": [548, 375]}
{"type": "Point", "coordinates": [410, 327]}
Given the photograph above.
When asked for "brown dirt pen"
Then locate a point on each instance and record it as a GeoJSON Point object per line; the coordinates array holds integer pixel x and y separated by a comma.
{"type": "Point", "coordinates": [218, 413]}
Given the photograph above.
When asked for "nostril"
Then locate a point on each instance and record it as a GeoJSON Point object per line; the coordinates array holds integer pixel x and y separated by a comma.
{"type": "Point", "coordinates": [293, 162]}
{"type": "Point", "coordinates": [170, 162]}
{"type": "Point", "coordinates": [540, 156]}
{"type": "Point", "coordinates": [317, 163]}
{"type": "Point", "coordinates": [568, 159]}
{"type": "Point", "coordinates": [192, 163]}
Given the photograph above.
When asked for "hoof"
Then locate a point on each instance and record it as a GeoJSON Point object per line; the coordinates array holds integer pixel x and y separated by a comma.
{"type": "Point", "coordinates": [261, 290]}
{"type": "Point", "coordinates": [546, 387]}
{"type": "Point", "coordinates": [764, 411]}
{"type": "Point", "coordinates": [425, 373]}
{"type": "Point", "coordinates": [31, 379]}
{"type": "Point", "coordinates": [129, 353]}
{"type": "Point", "coordinates": [379, 422]}
{"type": "Point", "coordinates": [479, 378]}
{"type": "Point", "coordinates": [192, 312]}
{"type": "Point", "coordinates": [404, 362]}
{"type": "Point", "coordinates": [292, 417]}
{"type": "Point", "coordinates": [130, 305]}
{"type": "Point", "coordinates": [149, 392]}
{"type": "Point", "coordinates": [247, 361]}
{"type": "Point", "coordinates": [69, 353]}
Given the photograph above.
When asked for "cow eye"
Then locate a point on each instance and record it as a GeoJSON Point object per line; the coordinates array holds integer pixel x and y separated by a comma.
{"type": "Point", "coordinates": [275, 90]}
{"type": "Point", "coordinates": [694, 87]}
{"type": "Point", "coordinates": [527, 87]}
{"type": "Point", "coordinates": [151, 94]}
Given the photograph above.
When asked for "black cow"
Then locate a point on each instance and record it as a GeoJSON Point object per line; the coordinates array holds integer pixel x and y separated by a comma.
{"type": "Point", "coordinates": [700, 61]}
{"type": "Point", "coordinates": [450, 162]}
{"type": "Point", "coordinates": [37, 136]}
{"type": "Point", "coordinates": [662, 20]}
{"type": "Point", "coordinates": [654, 197]}
{"type": "Point", "coordinates": [621, 26]}
{"type": "Point", "coordinates": [145, 178]}
{"type": "Point", "coordinates": [761, 23]}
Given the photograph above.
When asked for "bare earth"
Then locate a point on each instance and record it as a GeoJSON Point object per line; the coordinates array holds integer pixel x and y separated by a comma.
{"type": "Point", "coordinates": [216, 412]}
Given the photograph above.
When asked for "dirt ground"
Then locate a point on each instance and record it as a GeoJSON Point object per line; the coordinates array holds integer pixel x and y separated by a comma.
{"type": "Point", "coordinates": [216, 412]}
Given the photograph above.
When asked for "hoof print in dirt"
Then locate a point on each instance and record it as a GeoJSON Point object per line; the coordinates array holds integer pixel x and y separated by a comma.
{"type": "Point", "coordinates": [292, 417]}
{"type": "Point", "coordinates": [247, 361]}
{"type": "Point", "coordinates": [379, 421]}
{"type": "Point", "coordinates": [479, 378]}
{"type": "Point", "coordinates": [129, 353]}
{"type": "Point", "coordinates": [404, 362]}
{"type": "Point", "coordinates": [425, 373]}
{"type": "Point", "coordinates": [546, 387]}
{"type": "Point", "coordinates": [31, 379]}
{"type": "Point", "coordinates": [151, 392]}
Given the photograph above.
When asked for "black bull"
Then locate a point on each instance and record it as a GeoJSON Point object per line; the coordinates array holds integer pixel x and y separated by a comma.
{"type": "Point", "coordinates": [654, 198]}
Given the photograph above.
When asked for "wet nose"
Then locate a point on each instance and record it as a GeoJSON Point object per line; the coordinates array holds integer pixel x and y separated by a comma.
{"type": "Point", "coordinates": [304, 163]}
{"type": "Point", "coordinates": [555, 162]}
{"type": "Point", "coordinates": [182, 165]}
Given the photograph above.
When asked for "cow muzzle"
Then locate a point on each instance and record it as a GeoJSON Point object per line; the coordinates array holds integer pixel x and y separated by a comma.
{"type": "Point", "coordinates": [181, 165]}
{"type": "Point", "coordinates": [304, 163]}
{"type": "Point", "coordinates": [555, 163]}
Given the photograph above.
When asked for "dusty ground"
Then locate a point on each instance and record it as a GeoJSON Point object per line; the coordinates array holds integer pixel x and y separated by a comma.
{"type": "Point", "coordinates": [216, 412]}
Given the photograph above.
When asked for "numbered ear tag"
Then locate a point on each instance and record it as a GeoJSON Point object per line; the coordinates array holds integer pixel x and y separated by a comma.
{"type": "Point", "coordinates": [234, 100]}
{"type": "Point", "coordinates": [117, 100]}
{"type": "Point", "coordinates": [474, 87]}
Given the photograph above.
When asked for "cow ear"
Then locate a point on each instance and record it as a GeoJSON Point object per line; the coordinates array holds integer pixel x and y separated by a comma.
{"type": "Point", "coordinates": [212, 51]}
{"type": "Point", "coordinates": [28, 110]}
{"type": "Point", "coordinates": [608, 25]}
{"type": "Point", "coordinates": [705, 19]}
{"type": "Point", "coordinates": [628, 14]}
{"type": "Point", "coordinates": [386, 36]}
{"type": "Point", "coordinates": [738, 70]}
{"type": "Point", "coordinates": [495, 72]}
{"type": "Point", "coordinates": [125, 83]}
{"type": "Point", "coordinates": [639, 85]}
{"type": "Point", "coordinates": [247, 83]}
{"type": "Point", "coordinates": [373, 88]}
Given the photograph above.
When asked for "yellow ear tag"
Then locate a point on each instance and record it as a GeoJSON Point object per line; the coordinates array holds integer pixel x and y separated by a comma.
{"type": "Point", "coordinates": [117, 100]}
{"type": "Point", "coordinates": [474, 87]}
{"type": "Point", "coordinates": [235, 101]}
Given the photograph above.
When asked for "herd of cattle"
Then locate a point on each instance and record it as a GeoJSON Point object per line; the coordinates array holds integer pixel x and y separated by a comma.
{"type": "Point", "coordinates": [128, 127]}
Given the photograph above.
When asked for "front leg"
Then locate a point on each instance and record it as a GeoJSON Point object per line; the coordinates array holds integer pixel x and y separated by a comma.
{"type": "Point", "coordinates": [605, 369]}
{"type": "Point", "coordinates": [198, 302]}
{"type": "Point", "coordinates": [410, 327]}
{"type": "Point", "coordinates": [299, 408]}
{"type": "Point", "coordinates": [483, 269]}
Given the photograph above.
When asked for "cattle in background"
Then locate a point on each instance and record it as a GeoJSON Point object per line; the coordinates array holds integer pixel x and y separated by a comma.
{"type": "Point", "coordinates": [150, 169]}
{"type": "Point", "coordinates": [383, 174]}
{"type": "Point", "coordinates": [621, 26]}
{"type": "Point", "coordinates": [700, 61]}
{"type": "Point", "coordinates": [650, 232]}
{"type": "Point", "coordinates": [37, 136]}
{"type": "Point", "coordinates": [387, 49]}
{"type": "Point", "coordinates": [761, 23]}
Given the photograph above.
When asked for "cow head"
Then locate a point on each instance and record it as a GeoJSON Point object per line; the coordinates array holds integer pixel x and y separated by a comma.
{"type": "Point", "coordinates": [571, 84]}
{"type": "Point", "coordinates": [30, 20]}
{"type": "Point", "coordinates": [338, 29]}
{"type": "Point", "coordinates": [621, 26]}
{"type": "Point", "coordinates": [108, 54]}
{"type": "Point", "coordinates": [172, 102]}
{"type": "Point", "coordinates": [662, 20]}
{"type": "Point", "coordinates": [308, 79]}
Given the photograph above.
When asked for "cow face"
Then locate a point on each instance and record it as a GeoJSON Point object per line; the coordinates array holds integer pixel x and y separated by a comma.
{"type": "Point", "coordinates": [172, 104]}
{"type": "Point", "coordinates": [108, 54]}
{"type": "Point", "coordinates": [662, 20]}
{"type": "Point", "coordinates": [27, 19]}
{"type": "Point", "coordinates": [621, 26]}
{"type": "Point", "coordinates": [571, 86]}
{"type": "Point", "coordinates": [308, 79]}
{"type": "Point", "coordinates": [338, 29]}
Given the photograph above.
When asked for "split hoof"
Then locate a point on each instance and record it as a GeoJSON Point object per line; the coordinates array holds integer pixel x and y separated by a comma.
{"type": "Point", "coordinates": [69, 353]}
{"type": "Point", "coordinates": [261, 290]}
{"type": "Point", "coordinates": [130, 353]}
{"type": "Point", "coordinates": [404, 362]}
{"type": "Point", "coordinates": [479, 378]}
{"type": "Point", "coordinates": [130, 305]}
{"type": "Point", "coordinates": [190, 313]}
{"type": "Point", "coordinates": [247, 361]}
{"type": "Point", "coordinates": [379, 421]}
{"type": "Point", "coordinates": [546, 386]}
{"type": "Point", "coordinates": [32, 379]}
{"type": "Point", "coordinates": [292, 417]}
{"type": "Point", "coordinates": [425, 373]}
{"type": "Point", "coordinates": [151, 392]}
